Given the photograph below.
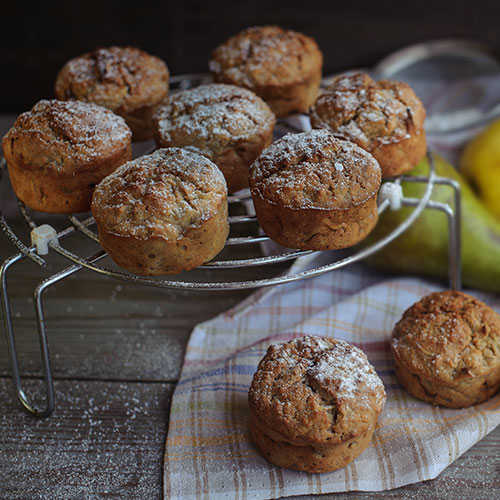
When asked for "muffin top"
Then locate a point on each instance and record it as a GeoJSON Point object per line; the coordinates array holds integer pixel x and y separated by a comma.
{"type": "Point", "coordinates": [316, 390]}
{"type": "Point", "coordinates": [211, 118]}
{"type": "Point", "coordinates": [357, 108]}
{"type": "Point", "coordinates": [448, 336]}
{"type": "Point", "coordinates": [161, 195]}
{"type": "Point", "coordinates": [315, 170]}
{"type": "Point", "coordinates": [123, 79]}
{"type": "Point", "coordinates": [65, 136]}
{"type": "Point", "coordinates": [265, 56]}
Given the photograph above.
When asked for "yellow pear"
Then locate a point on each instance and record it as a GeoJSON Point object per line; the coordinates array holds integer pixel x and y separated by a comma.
{"type": "Point", "coordinates": [480, 163]}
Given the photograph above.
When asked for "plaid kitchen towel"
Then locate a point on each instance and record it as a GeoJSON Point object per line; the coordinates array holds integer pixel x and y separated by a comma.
{"type": "Point", "coordinates": [208, 451]}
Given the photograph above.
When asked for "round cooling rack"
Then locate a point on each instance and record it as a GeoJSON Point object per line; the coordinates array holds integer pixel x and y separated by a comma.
{"type": "Point", "coordinates": [247, 247]}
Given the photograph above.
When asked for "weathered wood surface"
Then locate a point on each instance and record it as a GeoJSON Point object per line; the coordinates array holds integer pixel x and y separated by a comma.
{"type": "Point", "coordinates": [104, 440]}
{"type": "Point", "coordinates": [116, 351]}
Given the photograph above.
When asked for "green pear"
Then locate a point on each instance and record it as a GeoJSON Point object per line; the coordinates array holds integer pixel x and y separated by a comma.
{"type": "Point", "coordinates": [423, 249]}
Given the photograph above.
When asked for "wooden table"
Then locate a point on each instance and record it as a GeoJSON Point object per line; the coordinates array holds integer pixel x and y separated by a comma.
{"type": "Point", "coordinates": [116, 352]}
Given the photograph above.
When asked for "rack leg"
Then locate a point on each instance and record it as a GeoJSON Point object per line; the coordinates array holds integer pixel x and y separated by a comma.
{"type": "Point", "coordinates": [11, 343]}
{"type": "Point", "coordinates": [454, 247]}
{"type": "Point", "coordinates": [457, 223]}
{"type": "Point", "coordinates": [454, 225]}
{"type": "Point", "coordinates": [42, 335]}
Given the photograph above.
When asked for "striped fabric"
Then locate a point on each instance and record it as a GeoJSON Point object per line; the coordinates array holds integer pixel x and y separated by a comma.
{"type": "Point", "coordinates": [208, 453]}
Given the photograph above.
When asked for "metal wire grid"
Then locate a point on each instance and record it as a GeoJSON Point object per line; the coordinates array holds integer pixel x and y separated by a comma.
{"type": "Point", "coordinates": [84, 226]}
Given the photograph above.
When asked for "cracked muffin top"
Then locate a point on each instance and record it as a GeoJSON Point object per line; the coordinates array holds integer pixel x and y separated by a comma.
{"type": "Point", "coordinates": [161, 195]}
{"type": "Point", "coordinates": [316, 391]}
{"type": "Point", "coordinates": [212, 118]}
{"type": "Point", "coordinates": [357, 108]}
{"type": "Point", "coordinates": [66, 137]}
{"type": "Point", "coordinates": [264, 56]}
{"type": "Point", "coordinates": [123, 79]}
{"type": "Point", "coordinates": [315, 170]}
{"type": "Point", "coordinates": [448, 336]}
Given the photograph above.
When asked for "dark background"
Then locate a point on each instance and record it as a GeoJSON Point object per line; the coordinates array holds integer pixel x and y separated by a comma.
{"type": "Point", "coordinates": [37, 39]}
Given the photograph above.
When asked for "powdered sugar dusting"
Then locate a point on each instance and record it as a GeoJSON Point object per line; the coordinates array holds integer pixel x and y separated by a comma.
{"type": "Point", "coordinates": [347, 367]}
{"type": "Point", "coordinates": [123, 79]}
{"type": "Point", "coordinates": [265, 55]}
{"type": "Point", "coordinates": [357, 108]}
{"type": "Point", "coordinates": [333, 363]}
{"type": "Point", "coordinates": [67, 135]}
{"type": "Point", "coordinates": [211, 116]}
{"type": "Point", "coordinates": [321, 385]}
{"type": "Point", "coordinates": [315, 170]}
{"type": "Point", "coordinates": [162, 195]}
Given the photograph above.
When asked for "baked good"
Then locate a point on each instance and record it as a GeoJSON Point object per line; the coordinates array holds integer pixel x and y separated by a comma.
{"type": "Point", "coordinates": [227, 124]}
{"type": "Point", "coordinates": [446, 350]}
{"type": "Point", "coordinates": [281, 66]}
{"type": "Point", "coordinates": [58, 151]}
{"type": "Point", "coordinates": [314, 404]}
{"type": "Point", "coordinates": [314, 191]}
{"type": "Point", "coordinates": [126, 80]}
{"type": "Point", "coordinates": [386, 118]}
{"type": "Point", "coordinates": [162, 213]}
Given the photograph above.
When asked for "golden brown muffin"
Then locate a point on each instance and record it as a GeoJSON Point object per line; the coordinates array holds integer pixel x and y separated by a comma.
{"type": "Point", "coordinates": [126, 80]}
{"type": "Point", "coordinates": [281, 66]}
{"type": "Point", "coordinates": [386, 118]}
{"type": "Point", "coordinates": [227, 124]}
{"type": "Point", "coordinates": [58, 151]}
{"type": "Point", "coordinates": [162, 213]}
{"type": "Point", "coordinates": [314, 404]}
{"type": "Point", "coordinates": [446, 350]}
{"type": "Point", "coordinates": [314, 191]}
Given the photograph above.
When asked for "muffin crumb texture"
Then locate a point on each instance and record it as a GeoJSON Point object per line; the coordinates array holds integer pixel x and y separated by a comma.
{"type": "Point", "coordinates": [264, 55]}
{"type": "Point", "coordinates": [66, 136]}
{"type": "Point", "coordinates": [227, 124]}
{"type": "Point", "coordinates": [314, 191]}
{"type": "Point", "coordinates": [281, 66]}
{"type": "Point", "coordinates": [126, 80]}
{"type": "Point", "coordinates": [160, 194]}
{"type": "Point", "coordinates": [315, 170]}
{"type": "Point", "coordinates": [58, 151]}
{"type": "Point", "coordinates": [385, 118]}
{"type": "Point", "coordinates": [447, 349]}
{"type": "Point", "coordinates": [162, 213]}
{"type": "Point", "coordinates": [226, 111]}
{"type": "Point", "coordinates": [120, 78]}
{"type": "Point", "coordinates": [316, 398]}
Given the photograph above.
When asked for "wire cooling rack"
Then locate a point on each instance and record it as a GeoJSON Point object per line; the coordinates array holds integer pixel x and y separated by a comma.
{"type": "Point", "coordinates": [245, 248]}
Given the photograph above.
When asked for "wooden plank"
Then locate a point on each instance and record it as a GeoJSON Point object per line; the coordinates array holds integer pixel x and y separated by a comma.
{"type": "Point", "coordinates": [104, 440]}
{"type": "Point", "coordinates": [101, 328]}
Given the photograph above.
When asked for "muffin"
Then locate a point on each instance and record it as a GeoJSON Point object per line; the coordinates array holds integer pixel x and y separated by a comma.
{"type": "Point", "coordinates": [314, 404]}
{"type": "Point", "coordinates": [385, 118]}
{"type": "Point", "coordinates": [126, 80]}
{"type": "Point", "coordinates": [58, 151]}
{"type": "Point", "coordinates": [281, 66]}
{"type": "Point", "coordinates": [227, 124]}
{"type": "Point", "coordinates": [315, 192]}
{"type": "Point", "coordinates": [446, 350]}
{"type": "Point", "coordinates": [162, 213]}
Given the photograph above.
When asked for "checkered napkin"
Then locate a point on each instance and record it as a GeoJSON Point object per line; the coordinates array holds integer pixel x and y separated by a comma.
{"type": "Point", "coordinates": [208, 451]}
